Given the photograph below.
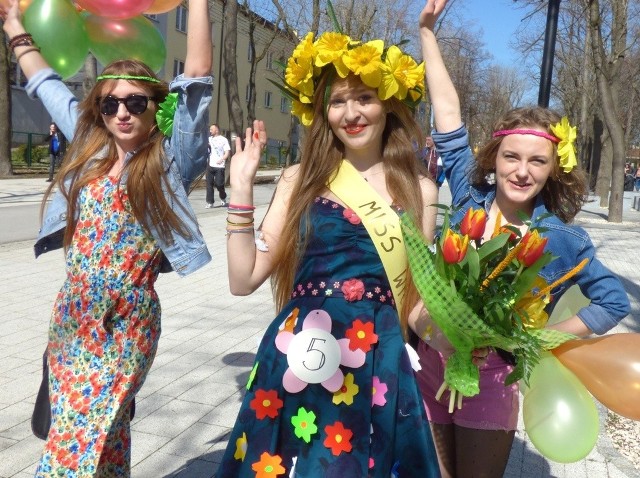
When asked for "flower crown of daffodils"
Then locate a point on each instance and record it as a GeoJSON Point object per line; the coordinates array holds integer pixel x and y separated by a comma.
{"type": "Point", "coordinates": [390, 71]}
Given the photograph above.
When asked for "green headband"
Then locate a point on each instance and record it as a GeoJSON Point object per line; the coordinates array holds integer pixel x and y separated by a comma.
{"type": "Point", "coordinates": [127, 77]}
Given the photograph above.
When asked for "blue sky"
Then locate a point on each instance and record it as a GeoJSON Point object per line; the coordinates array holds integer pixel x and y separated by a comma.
{"type": "Point", "coordinates": [498, 19]}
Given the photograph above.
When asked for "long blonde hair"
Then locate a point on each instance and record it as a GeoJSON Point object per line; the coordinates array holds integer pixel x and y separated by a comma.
{"type": "Point", "coordinates": [145, 172]}
{"type": "Point", "coordinates": [321, 155]}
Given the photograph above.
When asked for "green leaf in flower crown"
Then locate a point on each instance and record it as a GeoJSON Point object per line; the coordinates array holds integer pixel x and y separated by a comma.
{"type": "Point", "coordinates": [332, 15]}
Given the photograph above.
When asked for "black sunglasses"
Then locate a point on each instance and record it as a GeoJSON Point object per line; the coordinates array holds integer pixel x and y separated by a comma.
{"type": "Point", "coordinates": [135, 104]}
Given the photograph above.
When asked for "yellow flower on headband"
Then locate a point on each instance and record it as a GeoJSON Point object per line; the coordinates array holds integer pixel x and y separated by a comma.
{"type": "Point", "coordinates": [302, 111]}
{"type": "Point", "coordinates": [366, 62]}
{"type": "Point", "coordinates": [330, 48]}
{"type": "Point", "coordinates": [401, 73]}
{"type": "Point", "coordinates": [566, 150]}
{"type": "Point", "coordinates": [299, 72]}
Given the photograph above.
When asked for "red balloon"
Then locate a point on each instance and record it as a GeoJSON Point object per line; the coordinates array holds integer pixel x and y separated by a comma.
{"type": "Point", "coordinates": [162, 6]}
{"type": "Point", "coordinates": [609, 367]}
{"type": "Point", "coordinates": [115, 8]}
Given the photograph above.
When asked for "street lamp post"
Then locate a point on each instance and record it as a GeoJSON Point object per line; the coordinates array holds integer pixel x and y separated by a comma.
{"type": "Point", "coordinates": [546, 70]}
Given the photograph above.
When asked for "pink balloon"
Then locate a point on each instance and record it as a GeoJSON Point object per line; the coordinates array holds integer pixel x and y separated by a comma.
{"type": "Point", "coordinates": [162, 6]}
{"type": "Point", "coordinates": [116, 8]}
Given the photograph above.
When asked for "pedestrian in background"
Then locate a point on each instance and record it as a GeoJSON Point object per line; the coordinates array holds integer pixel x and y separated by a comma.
{"type": "Point", "coordinates": [119, 209]}
{"type": "Point", "coordinates": [57, 145]}
{"type": "Point", "coordinates": [219, 152]}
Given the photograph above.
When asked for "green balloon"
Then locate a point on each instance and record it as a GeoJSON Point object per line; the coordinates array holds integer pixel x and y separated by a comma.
{"type": "Point", "coordinates": [58, 30]}
{"type": "Point", "coordinates": [133, 38]}
{"type": "Point", "coordinates": [559, 414]}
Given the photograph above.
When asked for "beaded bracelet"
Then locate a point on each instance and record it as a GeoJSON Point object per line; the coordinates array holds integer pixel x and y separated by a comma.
{"type": "Point", "coordinates": [19, 39]}
{"type": "Point", "coordinates": [28, 50]}
{"type": "Point", "coordinates": [23, 42]}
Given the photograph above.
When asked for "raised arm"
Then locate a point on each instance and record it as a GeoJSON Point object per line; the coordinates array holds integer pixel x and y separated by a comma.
{"type": "Point", "coordinates": [442, 93]}
{"type": "Point", "coordinates": [29, 58]}
{"type": "Point", "coordinates": [199, 47]}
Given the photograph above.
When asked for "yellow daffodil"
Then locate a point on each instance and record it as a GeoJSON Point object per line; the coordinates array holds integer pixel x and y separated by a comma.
{"type": "Point", "coordinates": [566, 149]}
{"type": "Point", "coordinates": [302, 111]}
{"type": "Point", "coordinates": [330, 48]}
{"type": "Point", "coordinates": [299, 75]}
{"type": "Point", "coordinates": [531, 306]}
{"type": "Point", "coordinates": [366, 62]}
{"type": "Point", "coordinates": [400, 74]}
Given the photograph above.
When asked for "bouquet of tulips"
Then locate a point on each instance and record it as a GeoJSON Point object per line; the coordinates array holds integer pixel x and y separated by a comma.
{"type": "Point", "coordinates": [484, 294]}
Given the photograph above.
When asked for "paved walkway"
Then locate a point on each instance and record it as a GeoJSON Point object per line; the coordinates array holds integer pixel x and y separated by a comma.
{"type": "Point", "coordinates": [209, 339]}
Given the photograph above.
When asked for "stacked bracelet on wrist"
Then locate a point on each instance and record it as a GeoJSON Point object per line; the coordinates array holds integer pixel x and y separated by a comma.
{"type": "Point", "coordinates": [23, 39]}
{"type": "Point", "coordinates": [239, 227]}
{"type": "Point", "coordinates": [240, 209]}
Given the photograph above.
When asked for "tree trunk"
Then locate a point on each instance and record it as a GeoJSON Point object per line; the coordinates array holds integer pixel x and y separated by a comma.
{"type": "Point", "coordinates": [603, 183]}
{"type": "Point", "coordinates": [5, 111]}
{"type": "Point", "coordinates": [230, 71]}
{"type": "Point", "coordinates": [606, 69]}
{"type": "Point", "coordinates": [90, 74]}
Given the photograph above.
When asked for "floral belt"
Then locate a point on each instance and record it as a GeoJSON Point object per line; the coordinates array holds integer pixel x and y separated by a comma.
{"type": "Point", "coordinates": [351, 289]}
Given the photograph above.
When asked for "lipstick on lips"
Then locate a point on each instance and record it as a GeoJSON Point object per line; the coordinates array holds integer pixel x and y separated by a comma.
{"type": "Point", "coordinates": [354, 128]}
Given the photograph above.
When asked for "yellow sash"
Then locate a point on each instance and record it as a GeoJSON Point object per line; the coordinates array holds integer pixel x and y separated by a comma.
{"type": "Point", "coordinates": [381, 222]}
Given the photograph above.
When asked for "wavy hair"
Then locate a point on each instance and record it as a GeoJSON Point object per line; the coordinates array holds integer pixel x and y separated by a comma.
{"type": "Point", "coordinates": [563, 193]}
{"type": "Point", "coordinates": [321, 155]}
{"type": "Point", "coordinates": [93, 152]}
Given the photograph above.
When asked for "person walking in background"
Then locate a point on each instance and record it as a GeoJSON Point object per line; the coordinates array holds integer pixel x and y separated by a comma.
{"type": "Point", "coordinates": [332, 392]}
{"type": "Point", "coordinates": [531, 176]}
{"type": "Point", "coordinates": [638, 178]}
{"type": "Point", "coordinates": [219, 152]}
{"type": "Point", "coordinates": [120, 208]}
{"type": "Point", "coordinates": [57, 145]}
{"type": "Point", "coordinates": [433, 161]}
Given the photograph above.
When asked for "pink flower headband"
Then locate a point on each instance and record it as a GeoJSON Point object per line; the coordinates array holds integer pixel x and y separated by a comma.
{"type": "Point", "coordinates": [535, 132]}
{"type": "Point", "coordinates": [563, 133]}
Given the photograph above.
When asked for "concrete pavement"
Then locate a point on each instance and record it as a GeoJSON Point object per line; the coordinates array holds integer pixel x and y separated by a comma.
{"type": "Point", "coordinates": [209, 339]}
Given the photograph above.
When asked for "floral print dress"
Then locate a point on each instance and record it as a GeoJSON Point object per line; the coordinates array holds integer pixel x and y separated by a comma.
{"type": "Point", "coordinates": [332, 393]}
{"type": "Point", "coordinates": [103, 337]}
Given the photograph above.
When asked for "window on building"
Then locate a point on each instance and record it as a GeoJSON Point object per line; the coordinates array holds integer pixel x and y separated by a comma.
{"type": "Point", "coordinates": [267, 99]}
{"type": "Point", "coordinates": [269, 60]}
{"type": "Point", "coordinates": [248, 92]}
{"type": "Point", "coordinates": [181, 19]}
{"type": "Point", "coordinates": [178, 67]}
{"type": "Point", "coordinates": [284, 104]}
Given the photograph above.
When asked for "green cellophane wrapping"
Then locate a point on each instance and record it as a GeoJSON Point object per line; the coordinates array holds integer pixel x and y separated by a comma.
{"type": "Point", "coordinates": [463, 327]}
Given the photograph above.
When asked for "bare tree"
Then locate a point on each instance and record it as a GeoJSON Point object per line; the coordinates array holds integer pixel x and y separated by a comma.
{"type": "Point", "coordinates": [5, 111]}
{"type": "Point", "coordinates": [90, 74]}
{"type": "Point", "coordinates": [230, 70]}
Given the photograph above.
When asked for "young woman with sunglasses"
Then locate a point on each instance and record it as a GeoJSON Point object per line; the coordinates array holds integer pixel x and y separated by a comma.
{"type": "Point", "coordinates": [521, 169]}
{"type": "Point", "coordinates": [121, 212]}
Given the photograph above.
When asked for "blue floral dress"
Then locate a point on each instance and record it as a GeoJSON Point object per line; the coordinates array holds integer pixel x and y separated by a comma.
{"type": "Point", "coordinates": [103, 337]}
{"type": "Point", "coordinates": [332, 393]}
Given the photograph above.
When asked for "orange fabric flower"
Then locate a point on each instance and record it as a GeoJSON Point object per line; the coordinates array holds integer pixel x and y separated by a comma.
{"type": "Point", "coordinates": [269, 466]}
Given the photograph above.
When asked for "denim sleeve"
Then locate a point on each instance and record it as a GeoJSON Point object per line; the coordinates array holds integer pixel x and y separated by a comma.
{"type": "Point", "coordinates": [61, 104]}
{"type": "Point", "coordinates": [457, 160]}
{"type": "Point", "coordinates": [609, 301]}
{"type": "Point", "coordinates": [188, 144]}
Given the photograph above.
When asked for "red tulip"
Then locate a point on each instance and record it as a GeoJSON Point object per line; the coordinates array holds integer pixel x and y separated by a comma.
{"type": "Point", "coordinates": [454, 247]}
{"type": "Point", "coordinates": [532, 248]}
{"type": "Point", "coordinates": [473, 223]}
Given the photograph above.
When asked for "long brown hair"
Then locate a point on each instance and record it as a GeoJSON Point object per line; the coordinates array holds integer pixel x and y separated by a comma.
{"type": "Point", "coordinates": [92, 153]}
{"type": "Point", "coordinates": [321, 155]}
{"type": "Point", "coordinates": [563, 193]}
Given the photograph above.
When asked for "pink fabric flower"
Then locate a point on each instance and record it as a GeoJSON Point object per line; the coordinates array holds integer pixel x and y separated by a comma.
{"type": "Point", "coordinates": [378, 392]}
{"type": "Point", "coordinates": [351, 216]}
{"type": "Point", "coordinates": [353, 289]}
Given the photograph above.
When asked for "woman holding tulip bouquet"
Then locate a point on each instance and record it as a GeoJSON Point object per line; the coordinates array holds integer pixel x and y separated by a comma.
{"type": "Point", "coordinates": [527, 167]}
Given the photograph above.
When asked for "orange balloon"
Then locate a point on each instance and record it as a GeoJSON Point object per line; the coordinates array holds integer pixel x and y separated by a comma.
{"type": "Point", "coordinates": [23, 4]}
{"type": "Point", "coordinates": [162, 6]}
{"type": "Point", "coordinates": [609, 367]}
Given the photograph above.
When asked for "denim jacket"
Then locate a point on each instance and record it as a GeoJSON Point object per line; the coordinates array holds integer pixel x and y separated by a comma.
{"type": "Point", "coordinates": [571, 244]}
{"type": "Point", "coordinates": [186, 153]}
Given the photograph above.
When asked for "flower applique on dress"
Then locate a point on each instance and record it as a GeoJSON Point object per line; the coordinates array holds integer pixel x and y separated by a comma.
{"type": "Point", "coordinates": [315, 356]}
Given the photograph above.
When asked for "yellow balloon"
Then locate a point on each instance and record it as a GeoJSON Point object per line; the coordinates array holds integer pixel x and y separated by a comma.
{"type": "Point", "coordinates": [568, 305]}
{"type": "Point", "coordinates": [609, 366]}
{"type": "Point", "coordinates": [560, 416]}
{"type": "Point", "coordinates": [162, 6]}
{"type": "Point", "coordinates": [23, 4]}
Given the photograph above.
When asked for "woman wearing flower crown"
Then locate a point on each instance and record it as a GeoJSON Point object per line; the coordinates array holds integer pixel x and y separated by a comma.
{"type": "Point", "coordinates": [332, 392]}
{"type": "Point", "coordinates": [527, 167]}
{"type": "Point", "coordinates": [120, 208]}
